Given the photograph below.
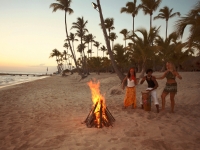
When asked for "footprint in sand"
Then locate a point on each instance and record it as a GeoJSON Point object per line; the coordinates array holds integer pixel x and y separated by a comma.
{"type": "Point", "coordinates": [124, 139]}
{"type": "Point", "coordinates": [132, 134]}
{"type": "Point", "coordinates": [113, 140]}
{"type": "Point", "coordinates": [161, 128]}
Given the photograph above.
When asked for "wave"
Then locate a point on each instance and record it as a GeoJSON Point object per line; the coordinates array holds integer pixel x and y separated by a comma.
{"type": "Point", "coordinates": [8, 80]}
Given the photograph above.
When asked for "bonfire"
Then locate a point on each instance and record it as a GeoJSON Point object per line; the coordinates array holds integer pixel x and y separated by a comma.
{"type": "Point", "coordinates": [99, 116]}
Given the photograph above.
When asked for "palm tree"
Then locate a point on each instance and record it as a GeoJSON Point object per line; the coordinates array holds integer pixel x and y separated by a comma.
{"type": "Point", "coordinates": [166, 13]}
{"type": "Point", "coordinates": [179, 56]}
{"type": "Point", "coordinates": [66, 45]}
{"type": "Point", "coordinates": [132, 9]}
{"type": "Point", "coordinates": [113, 37]}
{"type": "Point", "coordinates": [97, 44]}
{"type": "Point", "coordinates": [149, 6]}
{"type": "Point", "coordinates": [143, 47]}
{"type": "Point", "coordinates": [108, 23]}
{"type": "Point", "coordinates": [56, 53]}
{"type": "Point", "coordinates": [89, 52]}
{"type": "Point", "coordinates": [125, 34]}
{"type": "Point", "coordinates": [120, 57]}
{"type": "Point", "coordinates": [119, 74]}
{"type": "Point", "coordinates": [191, 19]}
{"type": "Point", "coordinates": [103, 48]}
{"type": "Point", "coordinates": [86, 40]}
{"type": "Point", "coordinates": [65, 5]}
{"type": "Point", "coordinates": [60, 60]}
{"type": "Point", "coordinates": [91, 40]}
{"type": "Point", "coordinates": [65, 56]}
{"type": "Point", "coordinates": [80, 48]}
{"type": "Point", "coordinates": [165, 48]}
{"type": "Point", "coordinates": [72, 38]}
{"type": "Point", "coordinates": [81, 29]}
{"type": "Point", "coordinates": [65, 52]}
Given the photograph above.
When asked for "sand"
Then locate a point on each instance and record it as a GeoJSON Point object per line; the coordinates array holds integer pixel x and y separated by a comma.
{"type": "Point", "coordinates": [47, 114]}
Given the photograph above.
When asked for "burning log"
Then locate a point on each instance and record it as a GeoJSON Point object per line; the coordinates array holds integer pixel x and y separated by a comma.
{"type": "Point", "coordinates": [99, 118]}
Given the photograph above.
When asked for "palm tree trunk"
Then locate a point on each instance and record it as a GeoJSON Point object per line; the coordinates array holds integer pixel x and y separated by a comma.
{"type": "Point", "coordinates": [166, 29]}
{"type": "Point", "coordinates": [91, 50]}
{"type": "Point", "coordinates": [73, 50]}
{"type": "Point", "coordinates": [143, 70]}
{"type": "Point", "coordinates": [133, 24]}
{"type": "Point", "coordinates": [69, 42]}
{"type": "Point", "coordinates": [57, 64]}
{"type": "Point", "coordinates": [150, 21]}
{"type": "Point", "coordinates": [139, 68]}
{"type": "Point", "coordinates": [112, 45]}
{"type": "Point", "coordinates": [84, 58]}
{"type": "Point", "coordinates": [119, 74]}
{"type": "Point", "coordinates": [150, 28]}
{"type": "Point", "coordinates": [163, 67]}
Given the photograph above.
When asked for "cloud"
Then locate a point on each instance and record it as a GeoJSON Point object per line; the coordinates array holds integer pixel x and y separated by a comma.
{"type": "Point", "coordinates": [40, 65]}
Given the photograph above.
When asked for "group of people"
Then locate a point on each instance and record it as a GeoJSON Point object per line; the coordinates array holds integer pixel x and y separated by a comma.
{"type": "Point", "coordinates": [170, 88]}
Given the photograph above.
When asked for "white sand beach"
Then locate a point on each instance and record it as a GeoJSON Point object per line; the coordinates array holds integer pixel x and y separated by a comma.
{"type": "Point", "coordinates": [47, 114]}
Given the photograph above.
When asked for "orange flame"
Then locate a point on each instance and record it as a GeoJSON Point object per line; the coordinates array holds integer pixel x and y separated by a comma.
{"type": "Point", "coordinates": [96, 95]}
{"type": "Point", "coordinates": [95, 91]}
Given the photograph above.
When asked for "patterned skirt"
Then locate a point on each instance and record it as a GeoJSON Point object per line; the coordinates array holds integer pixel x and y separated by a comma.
{"type": "Point", "coordinates": [130, 97]}
{"type": "Point", "coordinates": [170, 88]}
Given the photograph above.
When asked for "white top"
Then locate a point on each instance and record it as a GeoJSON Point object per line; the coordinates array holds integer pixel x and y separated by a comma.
{"type": "Point", "coordinates": [130, 83]}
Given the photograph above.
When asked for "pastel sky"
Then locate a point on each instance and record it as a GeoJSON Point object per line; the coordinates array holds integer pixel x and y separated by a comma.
{"type": "Point", "coordinates": [29, 31]}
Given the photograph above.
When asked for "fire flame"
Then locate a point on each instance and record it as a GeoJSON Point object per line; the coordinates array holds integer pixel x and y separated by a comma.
{"type": "Point", "coordinates": [95, 91]}
{"type": "Point", "coordinates": [98, 103]}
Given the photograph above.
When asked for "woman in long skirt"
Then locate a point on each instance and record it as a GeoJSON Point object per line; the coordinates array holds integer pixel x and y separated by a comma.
{"type": "Point", "coordinates": [130, 96]}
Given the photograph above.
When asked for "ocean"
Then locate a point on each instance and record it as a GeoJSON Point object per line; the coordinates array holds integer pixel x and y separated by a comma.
{"type": "Point", "coordinates": [8, 80]}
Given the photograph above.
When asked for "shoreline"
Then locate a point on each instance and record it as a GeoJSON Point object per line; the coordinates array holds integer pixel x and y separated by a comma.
{"type": "Point", "coordinates": [48, 114]}
{"type": "Point", "coordinates": [24, 81]}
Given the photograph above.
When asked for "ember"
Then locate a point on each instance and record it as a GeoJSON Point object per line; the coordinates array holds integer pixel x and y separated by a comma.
{"type": "Point", "coordinates": [99, 115]}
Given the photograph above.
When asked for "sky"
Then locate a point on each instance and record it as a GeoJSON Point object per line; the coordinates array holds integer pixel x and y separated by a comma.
{"type": "Point", "coordinates": [29, 30]}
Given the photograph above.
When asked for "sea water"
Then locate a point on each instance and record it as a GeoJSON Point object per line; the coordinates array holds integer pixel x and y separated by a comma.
{"type": "Point", "coordinates": [8, 80]}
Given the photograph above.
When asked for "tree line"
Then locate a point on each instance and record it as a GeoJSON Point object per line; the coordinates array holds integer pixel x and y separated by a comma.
{"type": "Point", "coordinates": [147, 51]}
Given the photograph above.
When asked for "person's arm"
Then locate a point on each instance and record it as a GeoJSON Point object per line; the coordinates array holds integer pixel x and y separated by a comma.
{"type": "Point", "coordinates": [162, 77]}
{"type": "Point", "coordinates": [123, 82]}
{"type": "Point", "coordinates": [178, 75]}
{"type": "Point", "coordinates": [143, 79]}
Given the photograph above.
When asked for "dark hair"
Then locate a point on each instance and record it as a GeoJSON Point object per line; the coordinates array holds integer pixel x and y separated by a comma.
{"type": "Point", "coordinates": [129, 75]}
{"type": "Point", "coordinates": [149, 70]}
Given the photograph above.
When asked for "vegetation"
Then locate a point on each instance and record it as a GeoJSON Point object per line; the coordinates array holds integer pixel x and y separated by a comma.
{"type": "Point", "coordinates": [146, 48]}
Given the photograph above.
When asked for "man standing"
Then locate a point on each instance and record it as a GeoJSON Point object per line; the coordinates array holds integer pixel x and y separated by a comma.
{"type": "Point", "coordinates": [152, 86]}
